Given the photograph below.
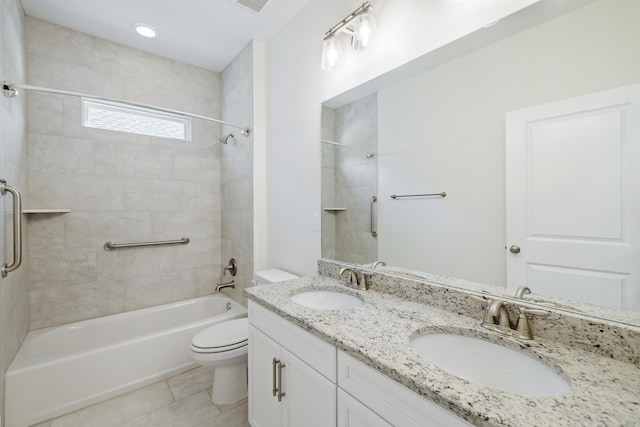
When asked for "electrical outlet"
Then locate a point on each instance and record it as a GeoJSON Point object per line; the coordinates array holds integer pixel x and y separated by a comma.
{"type": "Point", "coordinates": [315, 222]}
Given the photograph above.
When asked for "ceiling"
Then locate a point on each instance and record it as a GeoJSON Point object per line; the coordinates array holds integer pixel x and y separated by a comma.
{"type": "Point", "coordinates": [205, 33]}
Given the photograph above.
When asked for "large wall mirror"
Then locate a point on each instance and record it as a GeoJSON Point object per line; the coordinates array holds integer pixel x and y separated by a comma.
{"type": "Point", "coordinates": [439, 127]}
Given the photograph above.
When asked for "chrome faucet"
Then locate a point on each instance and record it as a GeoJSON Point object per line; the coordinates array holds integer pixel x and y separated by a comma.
{"type": "Point", "coordinates": [352, 279]}
{"type": "Point", "coordinates": [496, 318]}
{"type": "Point", "coordinates": [522, 290]}
{"type": "Point", "coordinates": [377, 263]}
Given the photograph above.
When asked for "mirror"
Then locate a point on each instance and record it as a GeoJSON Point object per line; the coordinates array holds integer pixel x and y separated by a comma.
{"type": "Point", "coordinates": [437, 125]}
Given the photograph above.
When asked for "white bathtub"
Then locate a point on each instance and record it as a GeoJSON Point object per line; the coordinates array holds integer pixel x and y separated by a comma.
{"type": "Point", "coordinates": [64, 368]}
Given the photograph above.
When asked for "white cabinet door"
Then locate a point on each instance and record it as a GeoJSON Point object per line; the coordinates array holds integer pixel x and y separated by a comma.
{"type": "Point", "coordinates": [264, 408]}
{"type": "Point", "coordinates": [310, 398]}
{"type": "Point", "coordinates": [395, 403]}
{"type": "Point", "coordinates": [573, 198]}
{"type": "Point", "coordinates": [352, 413]}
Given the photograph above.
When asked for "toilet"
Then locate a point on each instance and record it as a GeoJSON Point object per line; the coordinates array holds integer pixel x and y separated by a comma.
{"type": "Point", "coordinates": [224, 347]}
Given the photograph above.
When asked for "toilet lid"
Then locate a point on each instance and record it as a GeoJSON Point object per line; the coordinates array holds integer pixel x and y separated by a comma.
{"type": "Point", "coordinates": [223, 336]}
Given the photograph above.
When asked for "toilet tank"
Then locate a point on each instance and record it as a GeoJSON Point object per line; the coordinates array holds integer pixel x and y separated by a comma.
{"type": "Point", "coordinates": [272, 275]}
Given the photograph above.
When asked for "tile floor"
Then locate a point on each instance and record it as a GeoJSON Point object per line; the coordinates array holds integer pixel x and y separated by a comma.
{"type": "Point", "coordinates": [180, 401]}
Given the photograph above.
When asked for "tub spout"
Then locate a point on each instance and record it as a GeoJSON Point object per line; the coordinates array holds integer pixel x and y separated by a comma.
{"type": "Point", "coordinates": [230, 284]}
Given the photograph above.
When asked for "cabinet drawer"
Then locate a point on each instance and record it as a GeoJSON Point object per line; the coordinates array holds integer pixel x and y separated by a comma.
{"type": "Point", "coordinates": [392, 401]}
{"type": "Point", "coordinates": [317, 353]}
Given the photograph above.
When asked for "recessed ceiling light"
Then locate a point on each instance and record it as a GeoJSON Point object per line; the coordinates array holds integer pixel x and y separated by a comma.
{"type": "Point", "coordinates": [144, 30]}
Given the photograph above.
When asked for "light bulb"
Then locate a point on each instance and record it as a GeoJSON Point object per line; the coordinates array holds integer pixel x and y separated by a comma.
{"type": "Point", "coordinates": [364, 31]}
{"type": "Point", "coordinates": [144, 30]}
{"type": "Point", "coordinates": [331, 53]}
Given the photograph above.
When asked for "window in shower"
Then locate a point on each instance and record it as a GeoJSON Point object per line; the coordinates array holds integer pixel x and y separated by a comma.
{"type": "Point", "coordinates": [123, 117]}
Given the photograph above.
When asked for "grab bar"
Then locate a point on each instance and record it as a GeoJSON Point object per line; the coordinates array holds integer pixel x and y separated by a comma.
{"type": "Point", "coordinates": [17, 228]}
{"type": "Point", "coordinates": [395, 196]}
{"type": "Point", "coordinates": [374, 199]}
{"type": "Point", "coordinates": [109, 246]}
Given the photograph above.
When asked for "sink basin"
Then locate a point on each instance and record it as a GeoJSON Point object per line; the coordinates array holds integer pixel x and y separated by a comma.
{"type": "Point", "coordinates": [326, 300]}
{"type": "Point", "coordinates": [490, 365]}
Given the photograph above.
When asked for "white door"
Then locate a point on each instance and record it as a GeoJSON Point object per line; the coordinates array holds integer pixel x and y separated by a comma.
{"type": "Point", "coordinates": [310, 398]}
{"type": "Point", "coordinates": [264, 408]}
{"type": "Point", "coordinates": [573, 198]}
{"type": "Point", "coordinates": [352, 413]}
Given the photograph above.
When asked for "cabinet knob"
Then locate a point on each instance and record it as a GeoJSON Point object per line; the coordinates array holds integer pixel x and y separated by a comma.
{"type": "Point", "coordinates": [515, 249]}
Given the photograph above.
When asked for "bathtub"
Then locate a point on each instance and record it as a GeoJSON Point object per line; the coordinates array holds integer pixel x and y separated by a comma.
{"type": "Point", "coordinates": [63, 368]}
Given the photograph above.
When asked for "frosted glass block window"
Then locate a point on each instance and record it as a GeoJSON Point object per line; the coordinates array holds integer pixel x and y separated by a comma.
{"type": "Point", "coordinates": [133, 119]}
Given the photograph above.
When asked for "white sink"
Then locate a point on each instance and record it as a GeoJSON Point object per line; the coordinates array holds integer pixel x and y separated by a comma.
{"type": "Point", "coordinates": [491, 365]}
{"type": "Point", "coordinates": [326, 300]}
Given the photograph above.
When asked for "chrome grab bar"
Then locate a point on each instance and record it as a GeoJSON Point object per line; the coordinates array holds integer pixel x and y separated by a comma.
{"type": "Point", "coordinates": [374, 199]}
{"type": "Point", "coordinates": [109, 246]}
{"type": "Point", "coordinates": [396, 196]}
{"type": "Point", "coordinates": [17, 228]}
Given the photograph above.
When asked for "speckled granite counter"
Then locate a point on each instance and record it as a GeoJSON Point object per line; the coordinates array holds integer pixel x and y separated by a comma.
{"type": "Point", "coordinates": [605, 392]}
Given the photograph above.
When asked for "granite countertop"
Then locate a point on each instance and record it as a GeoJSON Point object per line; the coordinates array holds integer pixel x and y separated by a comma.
{"type": "Point", "coordinates": [604, 392]}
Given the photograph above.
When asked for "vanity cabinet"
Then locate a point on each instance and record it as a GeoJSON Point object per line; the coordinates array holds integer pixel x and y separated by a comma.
{"type": "Point", "coordinates": [324, 387]}
{"type": "Point", "coordinates": [291, 374]}
{"type": "Point", "coordinates": [391, 401]}
{"type": "Point", "coordinates": [352, 413]}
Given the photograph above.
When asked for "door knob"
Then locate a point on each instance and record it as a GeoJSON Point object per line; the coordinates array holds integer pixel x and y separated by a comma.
{"type": "Point", "coordinates": [515, 249]}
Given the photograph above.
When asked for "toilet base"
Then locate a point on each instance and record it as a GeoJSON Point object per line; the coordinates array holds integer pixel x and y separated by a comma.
{"type": "Point", "coordinates": [229, 384]}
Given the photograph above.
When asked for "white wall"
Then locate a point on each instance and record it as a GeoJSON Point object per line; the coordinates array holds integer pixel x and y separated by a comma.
{"type": "Point", "coordinates": [296, 86]}
{"type": "Point", "coordinates": [444, 131]}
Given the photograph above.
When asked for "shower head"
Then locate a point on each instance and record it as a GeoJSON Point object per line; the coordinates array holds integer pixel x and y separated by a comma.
{"type": "Point", "coordinates": [225, 139]}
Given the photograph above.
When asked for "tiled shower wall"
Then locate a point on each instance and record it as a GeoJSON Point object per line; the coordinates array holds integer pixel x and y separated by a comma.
{"type": "Point", "coordinates": [120, 187]}
{"type": "Point", "coordinates": [356, 181]}
{"type": "Point", "coordinates": [14, 296]}
{"type": "Point", "coordinates": [236, 85]}
{"type": "Point", "coordinates": [328, 193]}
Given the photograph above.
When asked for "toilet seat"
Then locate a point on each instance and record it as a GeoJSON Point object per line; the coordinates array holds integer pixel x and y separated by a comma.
{"type": "Point", "coordinates": [222, 337]}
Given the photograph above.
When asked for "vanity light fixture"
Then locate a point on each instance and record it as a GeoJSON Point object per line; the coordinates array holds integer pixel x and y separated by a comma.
{"type": "Point", "coordinates": [360, 24]}
{"type": "Point", "coordinates": [144, 30]}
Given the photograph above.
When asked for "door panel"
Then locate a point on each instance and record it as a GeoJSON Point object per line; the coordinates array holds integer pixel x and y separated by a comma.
{"type": "Point", "coordinates": [573, 198]}
{"type": "Point", "coordinates": [310, 398]}
{"type": "Point", "coordinates": [264, 408]}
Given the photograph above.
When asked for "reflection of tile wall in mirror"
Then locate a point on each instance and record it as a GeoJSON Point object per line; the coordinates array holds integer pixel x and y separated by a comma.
{"type": "Point", "coordinates": [349, 180]}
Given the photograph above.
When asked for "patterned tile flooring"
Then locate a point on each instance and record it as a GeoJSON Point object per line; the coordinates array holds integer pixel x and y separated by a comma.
{"type": "Point", "coordinates": [180, 401]}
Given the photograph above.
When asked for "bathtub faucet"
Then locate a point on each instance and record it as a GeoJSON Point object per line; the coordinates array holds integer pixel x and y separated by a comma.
{"type": "Point", "coordinates": [230, 284]}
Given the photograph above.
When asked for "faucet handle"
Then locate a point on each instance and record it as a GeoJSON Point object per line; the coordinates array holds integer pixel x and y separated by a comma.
{"type": "Point", "coordinates": [523, 328]}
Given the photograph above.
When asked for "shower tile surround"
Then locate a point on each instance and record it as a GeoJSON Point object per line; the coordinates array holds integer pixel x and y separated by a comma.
{"type": "Point", "coordinates": [120, 187]}
{"type": "Point", "coordinates": [600, 358]}
{"type": "Point", "coordinates": [14, 295]}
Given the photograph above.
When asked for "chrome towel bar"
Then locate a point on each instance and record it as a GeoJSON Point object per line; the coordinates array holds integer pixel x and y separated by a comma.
{"type": "Point", "coordinates": [395, 196]}
{"type": "Point", "coordinates": [109, 246]}
{"type": "Point", "coordinates": [17, 228]}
